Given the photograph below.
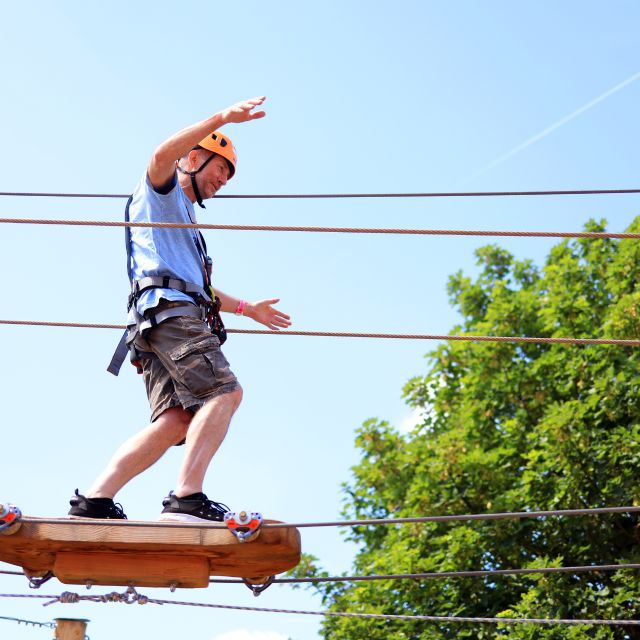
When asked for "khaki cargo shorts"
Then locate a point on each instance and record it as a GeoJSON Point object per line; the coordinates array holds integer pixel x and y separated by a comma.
{"type": "Point", "coordinates": [189, 369]}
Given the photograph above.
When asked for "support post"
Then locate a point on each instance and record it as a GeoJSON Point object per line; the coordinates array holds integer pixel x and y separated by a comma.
{"type": "Point", "coordinates": [70, 629]}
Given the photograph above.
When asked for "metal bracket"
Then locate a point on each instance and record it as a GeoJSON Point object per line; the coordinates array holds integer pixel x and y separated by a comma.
{"type": "Point", "coordinates": [257, 589]}
{"type": "Point", "coordinates": [9, 515]}
{"type": "Point", "coordinates": [36, 583]}
{"type": "Point", "coordinates": [244, 525]}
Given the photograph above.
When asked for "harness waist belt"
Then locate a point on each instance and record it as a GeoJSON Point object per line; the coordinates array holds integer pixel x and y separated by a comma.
{"type": "Point", "coordinates": [166, 282]}
{"type": "Point", "coordinates": [183, 310]}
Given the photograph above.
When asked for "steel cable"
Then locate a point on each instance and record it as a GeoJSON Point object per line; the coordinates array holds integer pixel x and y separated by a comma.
{"type": "Point", "coordinates": [428, 575]}
{"type": "Point", "coordinates": [127, 598]}
{"type": "Point", "coordinates": [423, 618]}
{"type": "Point", "coordinates": [443, 574]}
{"type": "Point", "coordinates": [436, 194]}
{"type": "Point", "coordinates": [594, 235]}
{"type": "Point", "coordinates": [49, 625]}
{"type": "Point", "coordinates": [514, 515]}
{"type": "Point", "coordinates": [346, 334]}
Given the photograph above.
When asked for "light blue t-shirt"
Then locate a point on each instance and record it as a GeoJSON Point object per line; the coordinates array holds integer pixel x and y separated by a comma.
{"type": "Point", "coordinates": [159, 251]}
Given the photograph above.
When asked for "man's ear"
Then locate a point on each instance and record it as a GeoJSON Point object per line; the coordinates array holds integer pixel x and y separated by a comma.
{"type": "Point", "coordinates": [192, 160]}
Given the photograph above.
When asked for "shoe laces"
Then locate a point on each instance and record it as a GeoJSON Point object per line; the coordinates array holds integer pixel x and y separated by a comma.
{"type": "Point", "coordinates": [118, 510]}
{"type": "Point", "coordinates": [220, 507]}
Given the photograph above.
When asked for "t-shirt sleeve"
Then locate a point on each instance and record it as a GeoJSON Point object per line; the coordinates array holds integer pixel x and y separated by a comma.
{"type": "Point", "coordinates": [165, 188]}
{"type": "Point", "coordinates": [164, 207]}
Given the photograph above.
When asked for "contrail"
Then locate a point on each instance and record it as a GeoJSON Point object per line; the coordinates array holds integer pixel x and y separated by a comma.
{"type": "Point", "coordinates": [545, 132]}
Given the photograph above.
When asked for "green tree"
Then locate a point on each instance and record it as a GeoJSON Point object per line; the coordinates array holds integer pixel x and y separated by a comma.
{"type": "Point", "coordinates": [510, 427]}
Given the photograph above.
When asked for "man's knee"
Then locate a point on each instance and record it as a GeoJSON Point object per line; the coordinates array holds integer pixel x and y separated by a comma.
{"type": "Point", "coordinates": [235, 397]}
{"type": "Point", "coordinates": [230, 399]}
{"type": "Point", "coordinates": [175, 423]}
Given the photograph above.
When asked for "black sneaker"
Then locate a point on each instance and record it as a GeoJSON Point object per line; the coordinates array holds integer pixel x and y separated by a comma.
{"type": "Point", "coordinates": [104, 508]}
{"type": "Point", "coordinates": [194, 508]}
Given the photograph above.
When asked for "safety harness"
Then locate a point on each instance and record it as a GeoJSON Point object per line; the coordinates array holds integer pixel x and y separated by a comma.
{"type": "Point", "coordinates": [207, 304]}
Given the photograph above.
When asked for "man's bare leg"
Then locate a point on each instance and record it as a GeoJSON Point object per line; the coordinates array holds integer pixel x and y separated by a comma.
{"type": "Point", "coordinates": [205, 435]}
{"type": "Point", "coordinates": [141, 451]}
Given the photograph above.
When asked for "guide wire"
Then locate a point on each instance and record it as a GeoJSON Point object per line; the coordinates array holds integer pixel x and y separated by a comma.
{"type": "Point", "coordinates": [48, 625]}
{"type": "Point", "coordinates": [443, 574]}
{"type": "Point", "coordinates": [594, 235]}
{"type": "Point", "coordinates": [514, 515]}
{"type": "Point", "coordinates": [132, 597]}
{"type": "Point", "coordinates": [281, 196]}
{"type": "Point", "coordinates": [349, 334]}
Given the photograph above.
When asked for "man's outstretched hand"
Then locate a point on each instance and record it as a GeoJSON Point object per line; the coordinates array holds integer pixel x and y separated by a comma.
{"type": "Point", "coordinates": [243, 111]}
{"type": "Point", "coordinates": [264, 313]}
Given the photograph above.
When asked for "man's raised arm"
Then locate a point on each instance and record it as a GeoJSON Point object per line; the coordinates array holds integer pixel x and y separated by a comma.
{"type": "Point", "coordinates": [162, 164]}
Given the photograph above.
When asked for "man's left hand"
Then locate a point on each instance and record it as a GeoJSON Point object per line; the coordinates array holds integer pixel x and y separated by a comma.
{"type": "Point", "coordinates": [265, 313]}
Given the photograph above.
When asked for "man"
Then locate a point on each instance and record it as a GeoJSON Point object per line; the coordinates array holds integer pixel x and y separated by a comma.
{"type": "Point", "coordinates": [192, 391]}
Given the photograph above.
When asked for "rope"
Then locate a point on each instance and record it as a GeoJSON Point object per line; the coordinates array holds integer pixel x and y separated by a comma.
{"type": "Point", "coordinates": [50, 625]}
{"type": "Point", "coordinates": [131, 597]}
{"type": "Point", "coordinates": [595, 235]}
{"type": "Point", "coordinates": [347, 334]}
{"type": "Point", "coordinates": [12, 573]}
{"type": "Point", "coordinates": [443, 574]}
{"type": "Point", "coordinates": [441, 194]}
{"type": "Point", "coordinates": [516, 515]}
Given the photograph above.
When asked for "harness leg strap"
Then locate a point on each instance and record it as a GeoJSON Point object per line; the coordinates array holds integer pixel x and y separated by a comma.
{"type": "Point", "coordinates": [144, 325]}
{"type": "Point", "coordinates": [119, 355]}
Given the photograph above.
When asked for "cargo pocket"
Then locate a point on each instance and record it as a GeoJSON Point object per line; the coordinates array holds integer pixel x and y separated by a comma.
{"type": "Point", "coordinates": [220, 364]}
{"type": "Point", "coordinates": [194, 363]}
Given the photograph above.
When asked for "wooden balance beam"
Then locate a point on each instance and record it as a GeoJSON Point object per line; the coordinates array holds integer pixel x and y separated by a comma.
{"type": "Point", "coordinates": [167, 554]}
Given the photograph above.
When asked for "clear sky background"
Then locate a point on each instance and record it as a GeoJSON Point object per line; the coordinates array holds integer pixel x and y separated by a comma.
{"type": "Point", "coordinates": [400, 96]}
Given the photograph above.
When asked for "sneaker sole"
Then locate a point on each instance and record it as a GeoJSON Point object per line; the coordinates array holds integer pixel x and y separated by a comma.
{"type": "Point", "coordinates": [90, 518]}
{"type": "Point", "coordinates": [184, 517]}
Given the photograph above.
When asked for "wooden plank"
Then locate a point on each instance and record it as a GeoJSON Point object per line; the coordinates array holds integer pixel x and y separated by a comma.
{"type": "Point", "coordinates": [36, 546]}
{"type": "Point", "coordinates": [140, 570]}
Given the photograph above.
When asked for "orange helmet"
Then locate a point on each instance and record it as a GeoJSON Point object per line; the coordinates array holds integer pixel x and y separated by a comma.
{"type": "Point", "coordinates": [220, 144]}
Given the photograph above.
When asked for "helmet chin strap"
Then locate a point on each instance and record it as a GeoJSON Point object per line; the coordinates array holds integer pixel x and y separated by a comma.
{"type": "Point", "coordinates": [192, 175]}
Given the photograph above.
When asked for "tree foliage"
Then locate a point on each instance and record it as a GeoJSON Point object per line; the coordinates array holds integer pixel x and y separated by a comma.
{"type": "Point", "coordinates": [510, 427]}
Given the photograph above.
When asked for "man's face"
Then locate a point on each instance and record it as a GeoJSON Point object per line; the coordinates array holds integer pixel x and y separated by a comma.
{"type": "Point", "coordinates": [213, 177]}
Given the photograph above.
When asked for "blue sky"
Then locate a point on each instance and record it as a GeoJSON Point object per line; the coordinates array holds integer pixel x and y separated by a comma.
{"type": "Point", "coordinates": [361, 97]}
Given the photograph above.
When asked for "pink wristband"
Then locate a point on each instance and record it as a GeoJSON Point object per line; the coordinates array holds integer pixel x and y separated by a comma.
{"type": "Point", "coordinates": [240, 308]}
